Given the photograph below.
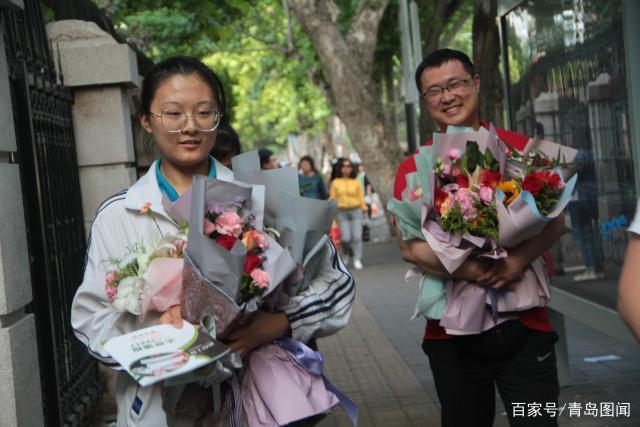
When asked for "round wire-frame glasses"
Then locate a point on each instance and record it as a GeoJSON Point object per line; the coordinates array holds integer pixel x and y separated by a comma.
{"type": "Point", "coordinates": [176, 121]}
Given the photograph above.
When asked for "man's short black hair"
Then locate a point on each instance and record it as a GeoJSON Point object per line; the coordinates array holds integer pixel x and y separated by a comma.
{"type": "Point", "coordinates": [264, 154]}
{"type": "Point", "coordinates": [439, 57]}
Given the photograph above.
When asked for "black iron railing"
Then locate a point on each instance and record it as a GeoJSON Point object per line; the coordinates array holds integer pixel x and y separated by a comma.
{"type": "Point", "coordinates": [53, 214]}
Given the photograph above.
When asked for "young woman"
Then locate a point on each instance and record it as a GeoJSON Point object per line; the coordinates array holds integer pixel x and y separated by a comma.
{"type": "Point", "coordinates": [311, 182]}
{"type": "Point", "coordinates": [182, 104]}
{"type": "Point", "coordinates": [347, 192]}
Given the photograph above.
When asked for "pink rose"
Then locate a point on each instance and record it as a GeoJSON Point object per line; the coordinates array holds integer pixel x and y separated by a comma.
{"type": "Point", "coordinates": [486, 194]}
{"type": "Point", "coordinates": [229, 223]}
{"type": "Point", "coordinates": [260, 278]}
{"type": "Point", "coordinates": [111, 277]}
{"type": "Point", "coordinates": [454, 154]}
{"type": "Point", "coordinates": [112, 291]}
{"type": "Point", "coordinates": [209, 227]}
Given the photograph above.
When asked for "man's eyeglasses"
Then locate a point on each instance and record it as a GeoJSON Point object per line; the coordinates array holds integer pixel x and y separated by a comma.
{"type": "Point", "coordinates": [174, 121]}
{"type": "Point", "coordinates": [454, 86]}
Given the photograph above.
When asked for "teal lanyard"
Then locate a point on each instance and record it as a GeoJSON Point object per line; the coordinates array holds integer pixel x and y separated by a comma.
{"type": "Point", "coordinates": [168, 189]}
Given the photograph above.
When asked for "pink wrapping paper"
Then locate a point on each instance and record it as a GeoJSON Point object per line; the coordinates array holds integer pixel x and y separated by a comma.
{"type": "Point", "coordinates": [468, 312]}
{"type": "Point", "coordinates": [163, 285]}
{"type": "Point", "coordinates": [276, 390]}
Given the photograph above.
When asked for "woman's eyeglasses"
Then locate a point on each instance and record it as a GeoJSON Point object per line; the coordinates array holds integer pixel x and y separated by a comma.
{"type": "Point", "coordinates": [174, 121]}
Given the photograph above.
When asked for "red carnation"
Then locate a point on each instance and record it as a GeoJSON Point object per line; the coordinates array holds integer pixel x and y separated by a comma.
{"type": "Point", "coordinates": [226, 241]}
{"type": "Point", "coordinates": [253, 261]}
{"type": "Point", "coordinates": [554, 181]}
{"type": "Point", "coordinates": [490, 178]}
{"type": "Point", "coordinates": [439, 197]}
{"type": "Point", "coordinates": [462, 180]}
{"type": "Point", "coordinates": [541, 162]}
{"type": "Point", "coordinates": [532, 184]}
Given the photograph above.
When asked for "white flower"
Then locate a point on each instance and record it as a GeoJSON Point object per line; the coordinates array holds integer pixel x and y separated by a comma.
{"type": "Point", "coordinates": [128, 296]}
{"type": "Point", "coordinates": [144, 258]}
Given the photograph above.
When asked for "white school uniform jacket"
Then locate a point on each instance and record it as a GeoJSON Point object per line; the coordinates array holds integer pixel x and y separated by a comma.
{"type": "Point", "coordinates": [320, 310]}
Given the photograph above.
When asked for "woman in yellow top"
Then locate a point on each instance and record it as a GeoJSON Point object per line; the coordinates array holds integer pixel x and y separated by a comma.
{"type": "Point", "coordinates": [347, 192]}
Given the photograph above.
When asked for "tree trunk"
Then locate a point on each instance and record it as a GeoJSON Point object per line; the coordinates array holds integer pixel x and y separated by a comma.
{"type": "Point", "coordinates": [347, 62]}
{"type": "Point", "coordinates": [440, 12]}
{"type": "Point", "coordinates": [390, 103]}
{"type": "Point", "coordinates": [486, 57]}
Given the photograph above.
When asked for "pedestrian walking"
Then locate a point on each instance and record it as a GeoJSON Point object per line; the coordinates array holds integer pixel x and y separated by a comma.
{"type": "Point", "coordinates": [183, 104]}
{"type": "Point", "coordinates": [311, 182]}
{"type": "Point", "coordinates": [347, 192]}
{"type": "Point", "coordinates": [518, 355]}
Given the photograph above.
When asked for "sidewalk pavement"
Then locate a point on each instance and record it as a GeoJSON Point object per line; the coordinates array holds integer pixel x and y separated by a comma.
{"type": "Point", "coordinates": [377, 360]}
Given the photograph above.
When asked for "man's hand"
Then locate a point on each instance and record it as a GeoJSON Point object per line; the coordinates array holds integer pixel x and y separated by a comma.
{"type": "Point", "coordinates": [472, 270]}
{"type": "Point", "coordinates": [420, 254]}
{"type": "Point", "coordinates": [263, 328]}
{"type": "Point", "coordinates": [503, 271]}
{"type": "Point", "coordinates": [172, 317]}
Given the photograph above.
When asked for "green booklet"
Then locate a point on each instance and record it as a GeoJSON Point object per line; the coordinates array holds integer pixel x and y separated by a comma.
{"type": "Point", "coordinates": [163, 351]}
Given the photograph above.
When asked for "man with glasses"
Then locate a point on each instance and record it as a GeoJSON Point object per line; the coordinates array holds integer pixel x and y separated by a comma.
{"type": "Point", "coordinates": [517, 356]}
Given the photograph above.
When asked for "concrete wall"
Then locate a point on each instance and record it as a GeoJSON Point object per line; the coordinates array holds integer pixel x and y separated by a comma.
{"type": "Point", "coordinates": [20, 395]}
{"type": "Point", "coordinates": [101, 73]}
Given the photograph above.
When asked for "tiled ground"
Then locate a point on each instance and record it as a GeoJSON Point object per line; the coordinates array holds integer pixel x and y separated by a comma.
{"type": "Point", "coordinates": [363, 363]}
{"type": "Point", "coordinates": [377, 359]}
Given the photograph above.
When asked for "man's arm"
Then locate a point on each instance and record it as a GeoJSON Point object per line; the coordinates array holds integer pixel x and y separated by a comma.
{"type": "Point", "coordinates": [629, 287]}
{"type": "Point", "coordinates": [420, 254]}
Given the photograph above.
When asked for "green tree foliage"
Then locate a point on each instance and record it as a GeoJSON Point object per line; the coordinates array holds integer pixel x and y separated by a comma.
{"type": "Point", "coordinates": [268, 74]}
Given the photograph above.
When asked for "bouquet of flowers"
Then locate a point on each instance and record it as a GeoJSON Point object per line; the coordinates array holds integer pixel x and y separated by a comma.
{"type": "Point", "coordinates": [473, 196]}
{"type": "Point", "coordinates": [231, 264]}
{"type": "Point", "coordinates": [464, 192]}
{"type": "Point", "coordinates": [302, 223]}
{"type": "Point", "coordinates": [227, 226]}
{"type": "Point", "coordinates": [148, 278]}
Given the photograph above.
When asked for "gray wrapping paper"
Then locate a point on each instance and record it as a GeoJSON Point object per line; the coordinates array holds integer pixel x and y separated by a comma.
{"type": "Point", "coordinates": [303, 223]}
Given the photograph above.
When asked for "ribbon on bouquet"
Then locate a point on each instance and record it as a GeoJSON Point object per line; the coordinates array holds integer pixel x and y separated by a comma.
{"type": "Point", "coordinates": [494, 294]}
{"type": "Point", "coordinates": [313, 362]}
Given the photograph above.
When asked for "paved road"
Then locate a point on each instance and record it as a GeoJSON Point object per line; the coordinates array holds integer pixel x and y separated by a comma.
{"type": "Point", "coordinates": [377, 359]}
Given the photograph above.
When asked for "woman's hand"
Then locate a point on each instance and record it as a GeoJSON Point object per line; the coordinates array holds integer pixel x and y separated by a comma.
{"type": "Point", "coordinates": [264, 327]}
{"type": "Point", "coordinates": [173, 316]}
{"type": "Point", "coordinates": [503, 271]}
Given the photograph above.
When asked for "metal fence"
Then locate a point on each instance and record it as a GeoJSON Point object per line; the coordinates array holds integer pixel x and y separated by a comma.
{"type": "Point", "coordinates": [51, 191]}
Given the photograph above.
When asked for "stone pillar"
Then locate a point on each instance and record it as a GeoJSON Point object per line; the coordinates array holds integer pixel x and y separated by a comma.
{"type": "Point", "coordinates": [547, 108]}
{"type": "Point", "coordinates": [100, 72]}
{"type": "Point", "coordinates": [20, 392]}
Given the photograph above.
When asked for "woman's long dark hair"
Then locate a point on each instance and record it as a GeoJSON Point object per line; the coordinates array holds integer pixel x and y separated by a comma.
{"type": "Point", "coordinates": [181, 65]}
{"type": "Point", "coordinates": [336, 171]}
